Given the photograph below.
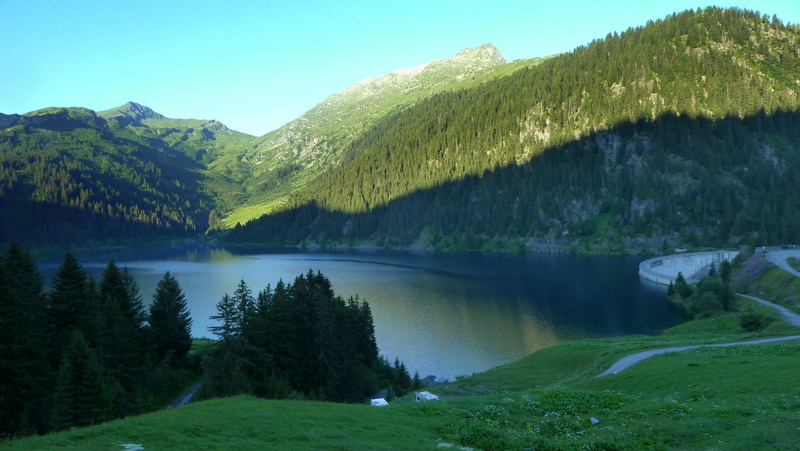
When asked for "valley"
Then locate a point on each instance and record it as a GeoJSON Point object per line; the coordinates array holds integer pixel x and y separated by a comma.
{"type": "Point", "coordinates": [643, 141]}
{"type": "Point", "coordinates": [461, 197]}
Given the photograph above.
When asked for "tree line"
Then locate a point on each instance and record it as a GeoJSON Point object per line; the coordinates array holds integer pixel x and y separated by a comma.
{"type": "Point", "coordinates": [298, 340]}
{"type": "Point", "coordinates": [684, 130]}
{"type": "Point", "coordinates": [86, 351]}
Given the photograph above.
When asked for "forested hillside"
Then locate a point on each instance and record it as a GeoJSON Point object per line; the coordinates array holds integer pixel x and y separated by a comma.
{"type": "Point", "coordinates": [69, 175]}
{"type": "Point", "coordinates": [86, 351]}
{"type": "Point", "coordinates": [681, 132]}
{"type": "Point", "coordinates": [316, 143]}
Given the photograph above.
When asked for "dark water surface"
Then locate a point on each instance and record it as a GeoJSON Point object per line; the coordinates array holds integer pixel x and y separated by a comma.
{"type": "Point", "coordinates": [444, 315]}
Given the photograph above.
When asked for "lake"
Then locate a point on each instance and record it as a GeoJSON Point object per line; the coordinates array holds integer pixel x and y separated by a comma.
{"type": "Point", "coordinates": [443, 315]}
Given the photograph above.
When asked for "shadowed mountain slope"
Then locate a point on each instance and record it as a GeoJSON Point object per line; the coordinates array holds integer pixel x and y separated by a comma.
{"type": "Point", "coordinates": [679, 132]}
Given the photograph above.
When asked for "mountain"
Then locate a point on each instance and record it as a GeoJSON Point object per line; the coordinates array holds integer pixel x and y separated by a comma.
{"type": "Point", "coordinates": [317, 142]}
{"type": "Point", "coordinates": [682, 132]}
{"type": "Point", "coordinates": [130, 172]}
{"type": "Point", "coordinates": [72, 176]}
{"type": "Point", "coordinates": [220, 149]}
{"type": "Point", "coordinates": [131, 111]}
{"type": "Point", "coordinates": [204, 140]}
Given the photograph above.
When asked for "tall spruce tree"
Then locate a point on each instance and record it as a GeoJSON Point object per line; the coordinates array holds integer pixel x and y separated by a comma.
{"type": "Point", "coordinates": [123, 342]}
{"type": "Point", "coordinates": [230, 321]}
{"type": "Point", "coordinates": [82, 396]}
{"type": "Point", "coordinates": [170, 321]}
{"type": "Point", "coordinates": [226, 368]}
{"type": "Point", "coordinates": [70, 305]}
{"type": "Point", "coordinates": [25, 372]}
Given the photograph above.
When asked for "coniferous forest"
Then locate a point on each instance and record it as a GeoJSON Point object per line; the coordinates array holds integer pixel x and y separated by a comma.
{"type": "Point", "coordinates": [88, 351]}
{"type": "Point", "coordinates": [298, 340]}
{"type": "Point", "coordinates": [682, 132]}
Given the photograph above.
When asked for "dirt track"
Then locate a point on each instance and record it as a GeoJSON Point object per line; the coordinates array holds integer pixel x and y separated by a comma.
{"type": "Point", "coordinates": [632, 359]}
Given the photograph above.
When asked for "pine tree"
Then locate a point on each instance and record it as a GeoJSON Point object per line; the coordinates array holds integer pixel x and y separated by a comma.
{"type": "Point", "coordinates": [230, 326]}
{"type": "Point", "coordinates": [170, 321]}
{"type": "Point", "coordinates": [70, 305]}
{"type": "Point", "coordinates": [123, 339]}
{"type": "Point", "coordinates": [24, 365]}
{"type": "Point", "coordinates": [82, 396]}
{"type": "Point", "coordinates": [245, 304]}
{"type": "Point", "coordinates": [227, 371]}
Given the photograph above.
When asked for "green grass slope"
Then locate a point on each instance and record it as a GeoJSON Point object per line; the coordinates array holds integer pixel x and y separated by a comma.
{"type": "Point", "coordinates": [707, 398]}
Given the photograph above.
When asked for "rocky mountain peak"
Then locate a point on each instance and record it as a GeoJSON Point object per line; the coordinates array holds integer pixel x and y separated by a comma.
{"type": "Point", "coordinates": [484, 52]}
{"type": "Point", "coordinates": [133, 110]}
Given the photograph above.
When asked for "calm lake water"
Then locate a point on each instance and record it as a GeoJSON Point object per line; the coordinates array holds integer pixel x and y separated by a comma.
{"type": "Point", "coordinates": [443, 315]}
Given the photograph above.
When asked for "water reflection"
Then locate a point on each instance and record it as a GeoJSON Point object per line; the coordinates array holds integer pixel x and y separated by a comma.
{"type": "Point", "coordinates": [442, 315]}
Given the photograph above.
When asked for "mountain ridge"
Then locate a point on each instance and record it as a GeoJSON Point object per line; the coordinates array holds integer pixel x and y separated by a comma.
{"type": "Point", "coordinates": [698, 106]}
{"type": "Point", "coordinates": [636, 127]}
{"type": "Point", "coordinates": [132, 110]}
{"type": "Point", "coordinates": [308, 147]}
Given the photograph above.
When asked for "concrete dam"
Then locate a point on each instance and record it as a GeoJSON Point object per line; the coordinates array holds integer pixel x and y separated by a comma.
{"type": "Point", "coordinates": [694, 266]}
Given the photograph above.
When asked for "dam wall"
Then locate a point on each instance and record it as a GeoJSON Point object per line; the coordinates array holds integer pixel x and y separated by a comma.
{"type": "Point", "coordinates": [694, 266]}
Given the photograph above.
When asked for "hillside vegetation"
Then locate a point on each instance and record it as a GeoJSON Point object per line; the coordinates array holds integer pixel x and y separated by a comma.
{"type": "Point", "coordinates": [318, 142]}
{"type": "Point", "coordinates": [543, 401]}
{"type": "Point", "coordinates": [680, 132]}
{"type": "Point", "coordinates": [73, 176]}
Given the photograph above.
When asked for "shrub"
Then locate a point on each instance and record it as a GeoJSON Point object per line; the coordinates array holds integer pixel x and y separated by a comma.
{"type": "Point", "coordinates": [751, 321]}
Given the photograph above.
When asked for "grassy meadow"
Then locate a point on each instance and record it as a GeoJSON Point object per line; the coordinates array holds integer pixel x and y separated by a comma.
{"type": "Point", "coordinates": [739, 397]}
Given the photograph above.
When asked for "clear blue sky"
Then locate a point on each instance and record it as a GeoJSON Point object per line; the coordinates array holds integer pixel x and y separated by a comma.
{"type": "Point", "coordinates": [255, 65]}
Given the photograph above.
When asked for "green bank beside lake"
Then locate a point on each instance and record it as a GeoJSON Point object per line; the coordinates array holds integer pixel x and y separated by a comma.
{"type": "Point", "coordinates": [703, 398]}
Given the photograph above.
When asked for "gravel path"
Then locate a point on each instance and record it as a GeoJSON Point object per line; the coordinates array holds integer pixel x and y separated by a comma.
{"type": "Point", "coordinates": [779, 259]}
{"type": "Point", "coordinates": [632, 359]}
{"type": "Point", "coordinates": [787, 315]}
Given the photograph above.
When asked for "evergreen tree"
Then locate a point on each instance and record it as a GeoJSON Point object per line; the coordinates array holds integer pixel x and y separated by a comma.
{"type": "Point", "coordinates": [24, 364]}
{"type": "Point", "coordinates": [228, 315]}
{"type": "Point", "coordinates": [725, 270]}
{"type": "Point", "coordinates": [82, 397]}
{"type": "Point", "coordinates": [227, 371]}
{"type": "Point", "coordinates": [681, 287]}
{"type": "Point", "coordinates": [123, 340]}
{"type": "Point", "coordinates": [298, 337]}
{"type": "Point", "coordinates": [170, 321]}
{"type": "Point", "coordinates": [245, 304]}
{"type": "Point", "coordinates": [70, 305]}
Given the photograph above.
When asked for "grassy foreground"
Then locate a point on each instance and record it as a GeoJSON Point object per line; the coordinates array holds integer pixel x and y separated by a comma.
{"type": "Point", "coordinates": [742, 397]}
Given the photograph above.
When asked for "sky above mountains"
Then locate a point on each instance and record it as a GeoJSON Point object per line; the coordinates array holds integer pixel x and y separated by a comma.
{"type": "Point", "coordinates": [255, 65]}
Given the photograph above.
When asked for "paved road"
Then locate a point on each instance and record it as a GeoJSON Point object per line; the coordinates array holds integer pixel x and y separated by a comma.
{"type": "Point", "coordinates": [787, 315]}
{"type": "Point", "coordinates": [632, 359]}
{"type": "Point", "coordinates": [779, 259]}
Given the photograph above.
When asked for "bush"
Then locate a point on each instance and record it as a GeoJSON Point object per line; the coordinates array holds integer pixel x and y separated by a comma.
{"type": "Point", "coordinates": [751, 321]}
{"type": "Point", "coordinates": [706, 306]}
